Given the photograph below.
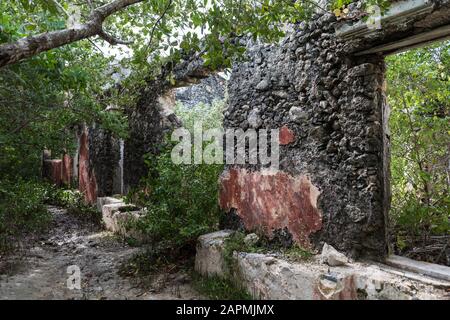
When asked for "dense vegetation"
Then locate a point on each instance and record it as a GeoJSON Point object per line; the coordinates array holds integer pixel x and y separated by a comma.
{"type": "Point", "coordinates": [181, 199]}
{"type": "Point", "coordinates": [419, 97]}
{"type": "Point", "coordinates": [44, 99]}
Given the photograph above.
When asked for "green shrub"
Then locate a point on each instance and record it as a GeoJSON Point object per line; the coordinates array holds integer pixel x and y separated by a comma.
{"type": "Point", "coordinates": [218, 288]}
{"type": "Point", "coordinates": [419, 95]}
{"type": "Point", "coordinates": [414, 218]}
{"type": "Point", "coordinates": [209, 114]}
{"type": "Point", "coordinates": [22, 211]}
{"type": "Point", "coordinates": [73, 201]}
{"type": "Point", "coordinates": [181, 200]}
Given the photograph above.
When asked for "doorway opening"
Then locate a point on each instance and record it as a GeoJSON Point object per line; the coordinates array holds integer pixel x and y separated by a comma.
{"type": "Point", "coordinates": [418, 94]}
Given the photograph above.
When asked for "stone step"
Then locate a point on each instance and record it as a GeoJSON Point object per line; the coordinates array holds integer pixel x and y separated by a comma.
{"type": "Point", "coordinates": [424, 268]}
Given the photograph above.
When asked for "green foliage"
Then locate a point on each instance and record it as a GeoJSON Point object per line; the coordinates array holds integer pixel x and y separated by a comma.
{"type": "Point", "coordinates": [42, 100]}
{"type": "Point", "coordinates": [217, 288]}
{"type": "Point", "coordinates": [22, 211]}
{"type": "Point", "coordinates": [419, 95]}
{"type": "Point", "coordinates": [181, 200]}
{"type": "Point", "coordinates": [161, 28]}
{"type": "Point", "coordinates": [383, 4]}
{"type": "Point", "coordinates": [297, 253]}
{"type": "Point", "coordinates": [45, 98]}
{"type": "Point", "coordinates": [209, 114]}
{"type": "Point", "coordinates": [73, 201]}
{"type": "Point", "coordinates": [340, 3]}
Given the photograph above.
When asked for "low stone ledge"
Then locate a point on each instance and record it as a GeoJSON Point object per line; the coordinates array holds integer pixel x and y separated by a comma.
{"type": "Point", "coordinates": [269, 277]}
{"type": "Point", "coordinates": [101, 201]}
{"type": "Point", "coordinates": [425, 268]}
{"type": "Point", "coordinates": [118, 221]}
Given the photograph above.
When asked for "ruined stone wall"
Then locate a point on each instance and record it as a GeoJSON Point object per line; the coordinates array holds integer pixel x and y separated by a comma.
{"type": "Point", "coordinates": [105, 167]}
{"type": "Point", "coordinates": [208, 90]}
{"type": "Point", "coordinates": [333, 185]}
{"type": "Point", "coordinates": [152, 118]}
{"type": "Point", "coordinates": [58, 172]}
{"type": "Point", "coordinates": [104, 152]}
{"type": "Point", "coordinates": [149, 122]}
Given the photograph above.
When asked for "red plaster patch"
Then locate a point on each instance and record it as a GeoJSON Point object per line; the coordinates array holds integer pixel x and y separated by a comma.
{"type": "Point", "coordinates": [86, 177]}
{"type": "Point", "coordinates": [268, 201]}
{"type": "Point", "coordinates": [53, 171]}
{"type": "Point", "coordinates": [66, 169]}
{"type": "Point", "coordinates": [286, 135]}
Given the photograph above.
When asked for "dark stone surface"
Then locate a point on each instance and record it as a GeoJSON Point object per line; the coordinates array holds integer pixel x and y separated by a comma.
{"type": "Point", "coordinates": [333, 101]}
{"type": "Point", "coordinates": [148, 127]}
{"type": "Point", "coordinates": [208, 90]}
{"type": "Point", "coordinates": [104, 154]}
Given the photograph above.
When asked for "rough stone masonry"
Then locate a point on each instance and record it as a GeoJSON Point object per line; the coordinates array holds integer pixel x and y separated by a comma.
{"type": "Point", "coordinates": [329, 100]}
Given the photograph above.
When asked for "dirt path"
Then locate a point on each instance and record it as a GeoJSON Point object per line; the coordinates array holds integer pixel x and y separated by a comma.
{"type": "Point", "coordinates": [42, 269]}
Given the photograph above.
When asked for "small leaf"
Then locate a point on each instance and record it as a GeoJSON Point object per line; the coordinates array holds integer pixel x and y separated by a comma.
{"type": "Point", "coordinates": [337, 12]}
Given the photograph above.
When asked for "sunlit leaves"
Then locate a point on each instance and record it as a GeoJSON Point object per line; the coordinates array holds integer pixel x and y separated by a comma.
{"type": "Point", "coordinates": [419, 96]}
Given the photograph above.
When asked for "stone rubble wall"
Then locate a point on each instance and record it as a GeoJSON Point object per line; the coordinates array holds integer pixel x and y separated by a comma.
{"type": "Point", "coordinates": [329, 103]}
{"type": "Point", "coordinates": [104, 152]}
{"type": "Point", "coordinates": [208, 90]}
{"type": "Point", "coordinates": [100, 167]}
{"type": "Point", "coordinates": [332, 104]}
{"type": "Point", "coordinates": [152, 119]}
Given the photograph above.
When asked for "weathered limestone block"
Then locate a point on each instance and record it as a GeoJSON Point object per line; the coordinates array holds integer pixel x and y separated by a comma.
{"type": "Point", "coordinates": [108, 215]}
{"type": "Point", "coordinates": [271, 277]}
{"type": "Point", "coordinates": [209, 257]}
{"type": "Point", "coordinates": [267, 277]}
{"type": "Point", "coordinates": [101, 201]}
{"type": "Point", "coordinates": [119, 221]}
{"type": "Point", "coordinates": [332, 257]}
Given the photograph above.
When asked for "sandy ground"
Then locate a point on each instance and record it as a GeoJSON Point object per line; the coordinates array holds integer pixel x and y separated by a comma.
{"type": "Point", "coordinates": [40, 270]}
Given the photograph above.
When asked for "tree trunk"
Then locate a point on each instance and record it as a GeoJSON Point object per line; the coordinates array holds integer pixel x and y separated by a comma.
{"type": "Point", "coordinates": [27, 47]}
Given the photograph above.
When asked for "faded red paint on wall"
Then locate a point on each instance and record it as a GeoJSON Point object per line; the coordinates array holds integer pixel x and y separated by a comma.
{"type": "Point", "coordinates": [52, 171]}
{"type": "Point", "coordinates": [286, 135]}
{"type": "Point", "coordinates": [270, 201]}
{"type": "Point", "coordinates": [66, 169]}
{"type": "Point", "coordinates": [86, 177]}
